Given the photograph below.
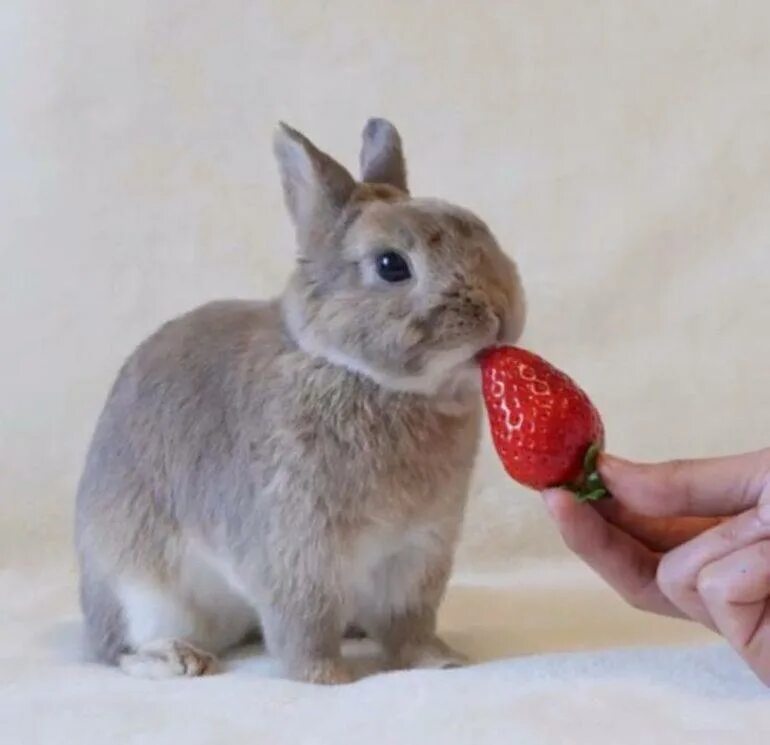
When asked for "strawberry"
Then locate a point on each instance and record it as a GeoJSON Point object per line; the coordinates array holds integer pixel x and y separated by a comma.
{"type": "Point", "coordinates": [544, 427]}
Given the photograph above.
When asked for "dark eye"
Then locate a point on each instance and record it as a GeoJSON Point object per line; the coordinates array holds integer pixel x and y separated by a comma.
{"type": "Point", "coordinates": [392, 267]}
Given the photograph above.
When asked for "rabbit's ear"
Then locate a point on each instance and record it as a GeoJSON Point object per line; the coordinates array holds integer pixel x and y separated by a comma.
{"type": "Point", "coordinates": [315, 186]}
{"type": "Point", "coordinates": [382, 160]}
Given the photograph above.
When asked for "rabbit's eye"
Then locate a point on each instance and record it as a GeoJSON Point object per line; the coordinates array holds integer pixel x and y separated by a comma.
{"type": "Point", "coordinates": [393, 267]}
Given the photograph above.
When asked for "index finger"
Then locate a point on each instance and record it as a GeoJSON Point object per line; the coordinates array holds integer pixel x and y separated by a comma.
{"type": "Point", "coordinates": [624, 563]}
{"type": "Point", "coordinates": [712, 486]}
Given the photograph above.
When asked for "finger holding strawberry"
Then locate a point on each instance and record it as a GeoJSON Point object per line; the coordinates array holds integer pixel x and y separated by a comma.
{"type": "Point", "coordinates": [689, 539]}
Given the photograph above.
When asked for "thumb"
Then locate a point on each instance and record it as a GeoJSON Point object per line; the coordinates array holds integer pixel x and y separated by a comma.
{"type": "Point", "coordinates": [712, 486]}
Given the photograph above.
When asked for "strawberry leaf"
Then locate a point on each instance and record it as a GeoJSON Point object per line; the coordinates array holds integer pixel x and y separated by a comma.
{"type": "Point", "coordinates": [590, 487]}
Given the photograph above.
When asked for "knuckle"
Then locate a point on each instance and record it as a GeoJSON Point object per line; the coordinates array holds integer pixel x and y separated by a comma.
{"type": "Point", "coordinates": [677, 468]}
{"type": "Point", "coordinates": [663, 489]}
{"type": "Point", "coordinates": [709, 585]}
{"type": "Point", "coordinates": [669, 576]}
{"type": "Point", "coordinates": [679, 478]}
{"type": "Point", "coordinates": [727, 532]}
{"type": "Point", "coordinates": [652, 495]}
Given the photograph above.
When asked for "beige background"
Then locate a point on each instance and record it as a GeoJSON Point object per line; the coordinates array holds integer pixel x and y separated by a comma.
{"type": "Point", "coordinates": [620, 150]}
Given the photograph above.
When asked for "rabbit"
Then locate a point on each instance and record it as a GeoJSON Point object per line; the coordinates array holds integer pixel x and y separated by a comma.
{"type": "Point", "coordinates": [296, 466]}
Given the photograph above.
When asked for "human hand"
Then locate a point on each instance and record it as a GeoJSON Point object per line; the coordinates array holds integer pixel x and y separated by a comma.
{"type": "Point", "coordinates": [686, 538]}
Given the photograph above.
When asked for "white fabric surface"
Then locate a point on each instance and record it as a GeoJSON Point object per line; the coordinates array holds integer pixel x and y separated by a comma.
{"type": "Point", "coordinates": [619, 150]}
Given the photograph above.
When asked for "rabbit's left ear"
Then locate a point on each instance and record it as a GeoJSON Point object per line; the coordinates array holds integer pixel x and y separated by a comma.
{"type": "Point", "coordinates": [382, 159]}
{"type": "Point", "coordinates": [316, 187]}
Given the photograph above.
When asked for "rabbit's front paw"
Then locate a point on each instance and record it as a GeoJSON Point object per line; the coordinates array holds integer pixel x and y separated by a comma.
{"type": "Point", "coordinates": [322, 672]}
{"type": "Point", "coordinates": [168, 658]}
{"type": "Point", "coordinates": [431, 654]}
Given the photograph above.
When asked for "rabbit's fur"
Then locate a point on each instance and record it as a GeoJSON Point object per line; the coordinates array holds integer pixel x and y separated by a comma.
{"type": "Point", "coordinates": [302, 464]}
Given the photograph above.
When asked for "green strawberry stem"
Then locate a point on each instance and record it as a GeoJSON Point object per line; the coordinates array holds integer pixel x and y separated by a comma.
{"type": "Point", "coordinates": [590, 487]}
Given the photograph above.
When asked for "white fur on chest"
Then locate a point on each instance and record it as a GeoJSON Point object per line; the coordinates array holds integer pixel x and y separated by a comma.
{"type": "Point", "coordinates": [386, 566]}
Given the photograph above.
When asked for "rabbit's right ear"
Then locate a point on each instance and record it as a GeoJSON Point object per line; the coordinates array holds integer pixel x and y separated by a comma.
{"type": "Point", "coordinates": [315, 186]}
{"type": "Point", "coordinates": [382, 157]}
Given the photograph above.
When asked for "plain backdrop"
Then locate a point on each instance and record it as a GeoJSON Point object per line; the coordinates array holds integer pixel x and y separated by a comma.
{"type": "Point", "coordinates": [620, 151]}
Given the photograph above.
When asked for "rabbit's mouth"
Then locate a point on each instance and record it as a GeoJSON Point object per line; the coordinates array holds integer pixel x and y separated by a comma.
{"type": "Point", "coordinates": [453, 371]}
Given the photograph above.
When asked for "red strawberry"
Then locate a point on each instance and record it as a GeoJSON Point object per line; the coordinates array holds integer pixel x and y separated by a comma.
{"type": "Point", "coordinates": [545, 429]}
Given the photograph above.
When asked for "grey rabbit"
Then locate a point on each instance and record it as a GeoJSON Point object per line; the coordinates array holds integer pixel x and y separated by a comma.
{"type": "Point", "coordinates": [297, 466]}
